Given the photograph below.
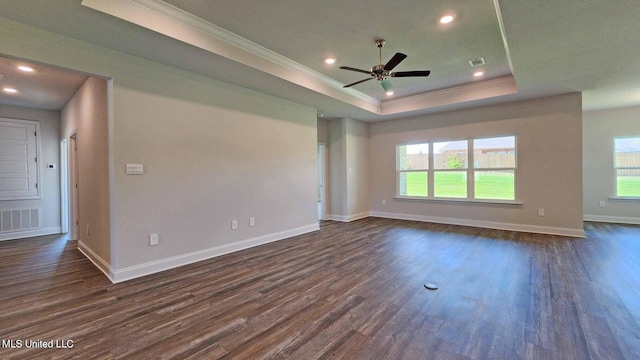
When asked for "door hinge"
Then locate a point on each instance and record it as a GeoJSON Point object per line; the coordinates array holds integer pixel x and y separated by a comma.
{"type": "Point", "coordinates": [35, 159]}
{"type": "Point", "coordinates": [35, 133]}
{"type": "Point", "coordinates": [36, 185]}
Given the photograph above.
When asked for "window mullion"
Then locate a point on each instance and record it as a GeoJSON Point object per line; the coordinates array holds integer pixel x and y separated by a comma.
{"type": "Point", "coordinates": [470, 170]}
{"type": "Point", "coordinates": [430, 177]}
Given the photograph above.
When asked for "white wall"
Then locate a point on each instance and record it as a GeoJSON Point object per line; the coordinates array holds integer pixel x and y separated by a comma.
{"type": "Point", "coordinates": [86, 114]}
{"type": "Point", "coordinates": [348, 169]}
{"type": "Point", "coordinates": [218, 154]}
{"type": "Point", "coordinates": [212, 153]}
{"type": "Point", "coordinates": [599, 128]}
{"type": "Point", "coordinates": [337, 208]}
{"type": "Point", "coordinates": [323, 131]}
{"type": "Point", "coordinates": [358, 179]}
{"type": "Point", "coordinates": [549, 174]}
{"type": "Point", "coordinates": [50, 149]}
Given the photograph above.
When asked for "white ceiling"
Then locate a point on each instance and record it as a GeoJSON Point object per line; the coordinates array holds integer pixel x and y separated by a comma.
{"type": "Point", "coordinates": [532, 49]}
{"type": "Point", "coordinates": [44, 88]}
{"type": "Point", "coordinates": [311, 30]}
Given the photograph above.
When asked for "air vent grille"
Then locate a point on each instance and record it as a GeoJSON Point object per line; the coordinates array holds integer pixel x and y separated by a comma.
{"type": "Point", "coordinates": [12, 220]}
{"type": "Point", "coordinates": [476, 62]}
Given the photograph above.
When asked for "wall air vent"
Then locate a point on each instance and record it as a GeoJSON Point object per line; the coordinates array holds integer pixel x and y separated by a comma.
{"type": "Point", "coordinates": [13, 220]}
{"type": "Point", "coordinates": [476, 62]}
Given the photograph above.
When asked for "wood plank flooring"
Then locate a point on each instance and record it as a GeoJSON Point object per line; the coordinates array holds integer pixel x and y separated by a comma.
{"type": "Point", "coordinates": [348, 291]}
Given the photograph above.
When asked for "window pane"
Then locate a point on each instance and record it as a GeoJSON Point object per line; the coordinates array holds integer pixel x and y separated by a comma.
{"type": "Point", "coordinates": [499, 152]}
{"type": "Point", "coordinates": [413, 183]}
{"type": "Point", "coordinates": [450, 184]}
{"type": "Point", "coordinates": [628, 182]}
{"type": "Point", "coordinates": [413, 157]}
{"type": "Point", "coordinates": [627, 152]}
{"type": "Point", "coordinates": [495, 185]}
{"type": "Point", "coordinates": [450, 154]}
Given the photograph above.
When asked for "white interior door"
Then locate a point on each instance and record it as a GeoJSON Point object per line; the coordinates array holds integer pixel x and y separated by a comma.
{"type": "Point", "coordinates": [18, 160]}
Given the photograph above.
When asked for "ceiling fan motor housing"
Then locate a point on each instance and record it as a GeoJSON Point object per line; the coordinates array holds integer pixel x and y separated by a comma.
{"type": "Point", "coordinates": [378, 72]}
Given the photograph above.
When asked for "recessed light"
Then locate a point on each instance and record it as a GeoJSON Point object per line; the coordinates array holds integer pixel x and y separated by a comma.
{"type": "Point", "coordinates": [478, 73]}
{"type": "Point", "coordinates": [446, 19]}
{"type": "Point", "coordinates": [10, 90]}
{"type": "Point", "coordinates": [330, 60]}
{"type": "Point", "coordinates": [25, 68]}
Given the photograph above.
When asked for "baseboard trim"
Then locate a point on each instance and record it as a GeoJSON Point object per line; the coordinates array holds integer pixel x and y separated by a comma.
{"type": "Point", "coordinates": [97, 260]}
{"type": "Point", "coordinates": [152, 267]}
{"type": "Point", "coordinates": [484, 224]}
{"type": "Point", "coordinates": [31, 233]}
{"type": "Point", "coordinates": [349, 218]}
{"type": "Point", "coordinates": [612, 219]}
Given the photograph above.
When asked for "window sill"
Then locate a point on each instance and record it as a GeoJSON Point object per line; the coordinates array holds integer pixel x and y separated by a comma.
{"type": "Point", "coordinates": [624, 198]}
{"type": "Point", "coordinates": [464, 201]}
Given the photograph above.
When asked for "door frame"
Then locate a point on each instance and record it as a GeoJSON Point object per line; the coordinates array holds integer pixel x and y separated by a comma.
{"type": "Point", "coordinates": [322, 180]}
{"type": "Point", "coordinates": [64, 185]}
{"type": "Point", "coordinates": [69, 185]}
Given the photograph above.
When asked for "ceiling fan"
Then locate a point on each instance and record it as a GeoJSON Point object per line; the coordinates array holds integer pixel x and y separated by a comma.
{"type": "Point", "coordinates": [382, 72]}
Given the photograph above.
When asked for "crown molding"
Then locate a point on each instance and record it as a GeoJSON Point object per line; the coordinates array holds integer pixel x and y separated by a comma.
{"type": "Point", "coordinates": [503, 34]}
{"type": "Point", "coordinates": [249, 46]}
{"type": "Point", "coordinates": [457, 94]}
{"type": "Point", "coordinates": [168, 20]}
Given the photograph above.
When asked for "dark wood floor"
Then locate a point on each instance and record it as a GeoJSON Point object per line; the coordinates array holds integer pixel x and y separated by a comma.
{"type": "Point", "coordinates": [349, 291]}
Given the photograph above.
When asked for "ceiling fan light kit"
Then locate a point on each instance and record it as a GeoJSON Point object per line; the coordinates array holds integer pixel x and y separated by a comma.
{"type": "Point", "coordinates": [382, 72]}
{"type": "Point", "coordinates": [386, 85]}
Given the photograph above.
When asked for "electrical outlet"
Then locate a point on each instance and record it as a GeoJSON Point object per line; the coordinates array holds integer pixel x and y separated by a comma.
{"type": "Point", "coordinates": [252, 221]}
{"type": "Point", "coordinates": [234, 225]}
{"type": "Point", "coordinates": [153, 239]}
{"type": "Point", "coordinates": [87, 230]}
{"type": "Point", "coordinates": [384, 202]}
{"type": "Point", "coordinates": [602, 204]}
{"type": "Point", "coordinates": [540, 212]}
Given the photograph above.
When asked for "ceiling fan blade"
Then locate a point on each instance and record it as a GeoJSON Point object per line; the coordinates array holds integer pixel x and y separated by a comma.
{"type": "Point", "coordinates": [410, 73]}
{"type": "Point", "coordinates": [358, 82]}
{"type": "Point", "coordinates": [395, 60]}
{"type": "Point", "coordinates": [354, 69]}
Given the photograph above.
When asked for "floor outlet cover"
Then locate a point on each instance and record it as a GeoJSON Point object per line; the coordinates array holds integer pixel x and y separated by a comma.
{"type": "Point", "coordinates": [431, 286]}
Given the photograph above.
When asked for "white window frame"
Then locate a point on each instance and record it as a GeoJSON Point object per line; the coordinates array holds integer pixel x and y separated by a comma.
{"type": "Point", "coordinates": [470, 170]}
{"type": "Point", "coordinates": [616, 168]}
{"type": "Point", "coordinates": [38, 161]}
{"type": "Point", "coordinates": [479, 169]}
{"type": "Point", "coordinates": [466, 169]}
{"type": "Point", "coordinates": [399, 171]}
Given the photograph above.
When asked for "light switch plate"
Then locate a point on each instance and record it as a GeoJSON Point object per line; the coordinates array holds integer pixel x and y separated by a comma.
{"type": "Point", "coordinates": [135, 169]}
